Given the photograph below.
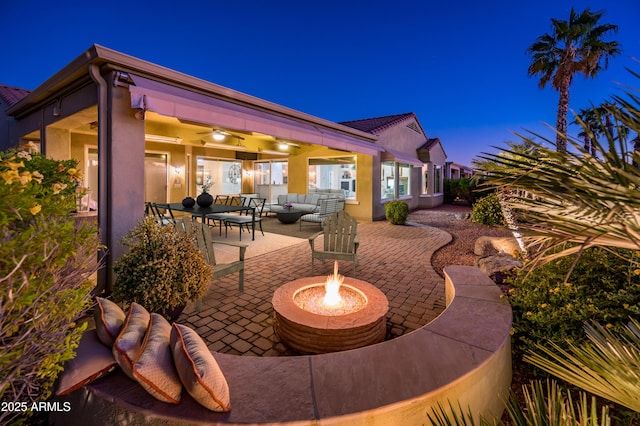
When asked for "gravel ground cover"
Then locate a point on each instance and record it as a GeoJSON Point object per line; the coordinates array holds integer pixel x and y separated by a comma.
{"type": "Point", "coordinates": [453, 218]}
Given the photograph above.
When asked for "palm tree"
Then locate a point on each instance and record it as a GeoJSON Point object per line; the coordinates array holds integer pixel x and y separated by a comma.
{"type": "Point", "coordinates": [572, 197]}
{"type": "Point", "coordinates": [586, 118]}
{"type": "Point", "coordinates": [574, 46]}
{"type": "Point", "coordinates": [565, 197]}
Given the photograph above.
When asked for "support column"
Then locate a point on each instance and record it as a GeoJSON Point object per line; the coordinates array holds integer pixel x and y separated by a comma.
{"type": "Point", "coordinates": [122, 175]}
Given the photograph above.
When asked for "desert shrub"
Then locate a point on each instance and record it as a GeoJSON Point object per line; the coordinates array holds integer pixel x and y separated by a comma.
{"type": "Point", "coordinates": [161, 269]}
{"type": "Point", "coordinates": [449, 189]}
{"type": "Point", "coordinates": [463, 189]}
{"type": "Point", "coordinates": [45, 265]}
{"type": "Point", "coordinates": [487, 211]}
{"type": "Point", "coordinates": [604, 286]}
{"type": "Point", "coordinates": [397, 212]}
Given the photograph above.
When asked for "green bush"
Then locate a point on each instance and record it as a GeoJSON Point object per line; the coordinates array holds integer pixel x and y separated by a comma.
{"type": "Point", "coordinates": [45, 265]}
{"type": "Point", "coordinates": [397, 212]}
{"type": "Point", "coordinates": [161, 269]}
{"type": "Point", "coordinates": [463, 189]}
{"type": "Point", "coordinates": [449, 190]}
{"type": "Point", "coordinates": [487, 211]}
{"type": "Point", "coordinates": [603, 286]}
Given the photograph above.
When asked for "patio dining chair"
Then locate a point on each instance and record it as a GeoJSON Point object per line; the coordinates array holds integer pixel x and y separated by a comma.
{"type": "Point", "coordinates": [205, 243]}
{"type": "Point", "coordinates": [218, 218]}
{"type": "Point", "coordinates": [341, 241]}
{"type": "Point", "coordinates": [163, 213]}
{"type": "Point", "coordinates": [246, 218]}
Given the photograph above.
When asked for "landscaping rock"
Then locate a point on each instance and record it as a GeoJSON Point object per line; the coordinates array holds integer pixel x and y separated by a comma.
{"type": "Point", "coordinates": [486, 246]}
{"type": "Point", "coordinates": [496, 266]}
{"type": "Point", "coordinates": [460, 215]}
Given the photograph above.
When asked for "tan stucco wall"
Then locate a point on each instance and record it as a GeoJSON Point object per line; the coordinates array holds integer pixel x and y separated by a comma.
{"type": "Point", "coordinates": [401, 138]}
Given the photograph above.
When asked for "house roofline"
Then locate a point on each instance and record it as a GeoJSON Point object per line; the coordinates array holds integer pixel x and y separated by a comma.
{"type": "Point", "coordinates": [77, 73]}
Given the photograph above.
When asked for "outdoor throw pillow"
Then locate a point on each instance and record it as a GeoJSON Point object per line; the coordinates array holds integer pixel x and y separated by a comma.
{"type": "Point", "coordinates": [108, 318]}
{"type": "Point", "coordinates": [198, 369]}
{"type": "Point", "coordinates": [92, 361]}
{"type": "Point", "coordinates": [128, 343]}
{"type": "Point", "coordinates": [154, 368]}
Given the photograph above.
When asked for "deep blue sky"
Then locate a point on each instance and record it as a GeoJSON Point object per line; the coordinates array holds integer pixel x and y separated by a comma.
{"type": "Point", "coordinates": [459, 65]}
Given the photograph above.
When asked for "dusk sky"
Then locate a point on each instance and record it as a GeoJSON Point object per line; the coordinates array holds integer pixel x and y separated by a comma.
{"type": "Point", "coordinates": [461, 66]}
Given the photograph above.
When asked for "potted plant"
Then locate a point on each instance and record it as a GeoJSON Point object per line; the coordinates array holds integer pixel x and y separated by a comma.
{"type": "Point", "coordinates": [162, 270]}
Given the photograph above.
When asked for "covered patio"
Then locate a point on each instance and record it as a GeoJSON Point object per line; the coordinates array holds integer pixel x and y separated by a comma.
{"type": "Point", "coordinates": [124, 119]}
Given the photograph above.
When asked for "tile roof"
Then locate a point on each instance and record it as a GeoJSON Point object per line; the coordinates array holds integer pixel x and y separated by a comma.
{"type": "Point", "coordinates": [371, 125]}
{"type": "Point", "coordinates": [430, 143]}
{"type": "Point", "coordinates": [11, 95]}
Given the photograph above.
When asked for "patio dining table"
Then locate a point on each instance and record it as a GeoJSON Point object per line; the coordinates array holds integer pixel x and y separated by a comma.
{"type": "Point", "coordinates": [196, 210]}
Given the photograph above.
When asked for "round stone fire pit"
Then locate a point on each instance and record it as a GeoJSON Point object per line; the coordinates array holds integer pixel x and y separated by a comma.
{"type": "Point", "coordinates": [314, 333]}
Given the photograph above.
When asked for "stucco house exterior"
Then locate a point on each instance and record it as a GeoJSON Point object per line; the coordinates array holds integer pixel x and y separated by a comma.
{"type": "Point", "coordinates": [410, 166]}
{"type": "Point", "coordinates": [142, 132]}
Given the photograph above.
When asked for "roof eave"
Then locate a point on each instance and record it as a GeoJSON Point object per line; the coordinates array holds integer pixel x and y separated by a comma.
{"type": "Point", "coordinates": [96, 54]}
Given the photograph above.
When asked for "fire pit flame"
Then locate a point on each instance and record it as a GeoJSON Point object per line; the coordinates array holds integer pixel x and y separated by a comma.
{"type": "Point", "coordinates": [332, 296]}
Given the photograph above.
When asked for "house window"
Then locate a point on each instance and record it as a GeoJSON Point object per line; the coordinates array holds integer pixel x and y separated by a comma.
{"type": "Point", "coordinates": [395, 180]}
{"type": "Point", "coordinates": [437, 179]}
{"type": "Point", "coordinates": [431, 179]}
{"type": "Point", "coordinates": [425, 179]}
{"type": "Point", "coordinates": [404, 180]}
{"type": "Point", "coordinates": [223, 176]}
{"type": "Point", "coordinates": [388, 180]}
{"type": "Point", "coordinates": [333, 173]}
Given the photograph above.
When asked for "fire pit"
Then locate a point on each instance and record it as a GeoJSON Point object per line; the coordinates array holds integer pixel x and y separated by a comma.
{"type": "Point", "coordinates": [318, 314]}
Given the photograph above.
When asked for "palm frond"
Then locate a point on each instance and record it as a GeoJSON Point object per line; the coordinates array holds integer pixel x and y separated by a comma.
{"type": "Point", "coordinates": [545, 403]}
{"type": "Point", "coordinates": [607, 366]}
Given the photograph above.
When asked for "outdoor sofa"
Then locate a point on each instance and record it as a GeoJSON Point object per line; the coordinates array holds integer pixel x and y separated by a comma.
{"type": "Point", "coordinates": [307, 203]}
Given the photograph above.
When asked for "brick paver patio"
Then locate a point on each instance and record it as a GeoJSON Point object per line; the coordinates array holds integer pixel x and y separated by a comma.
{"type": "Point", "coordinates": [396, 259]}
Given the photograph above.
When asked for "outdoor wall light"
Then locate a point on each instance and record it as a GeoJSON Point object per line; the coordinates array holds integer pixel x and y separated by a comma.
{"type": "Point", "coordinates": [178, 170]}
{"type": "Point", "coordinates": [56, 109]}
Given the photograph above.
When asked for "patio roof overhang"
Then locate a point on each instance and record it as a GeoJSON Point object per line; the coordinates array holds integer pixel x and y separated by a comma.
{"type": "Point", "coordinates": [172, 101]}
{"type": "Point", "coordinates": [180, 95]}
{"type": "Point", "coordinates": [400, 157]}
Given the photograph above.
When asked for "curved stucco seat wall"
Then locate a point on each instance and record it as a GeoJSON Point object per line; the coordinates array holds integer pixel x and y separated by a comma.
{"type": "Point", "coordinates": [463, 355]}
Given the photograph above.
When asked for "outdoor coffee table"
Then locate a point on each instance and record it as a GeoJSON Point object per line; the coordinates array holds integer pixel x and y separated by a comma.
{"type": "Point", "coordinates": [289, 216]}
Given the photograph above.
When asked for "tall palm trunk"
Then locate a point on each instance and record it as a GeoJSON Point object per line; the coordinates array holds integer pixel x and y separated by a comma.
{"type": "Point", "coordinates": [563, 110]}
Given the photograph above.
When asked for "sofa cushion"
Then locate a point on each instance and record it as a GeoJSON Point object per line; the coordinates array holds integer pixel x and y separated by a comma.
{"type": "Point", "coordinates": [154, 368]}
{"type": "Point", "coordinates": [108, 317]}
{"type": "Point", "coordinates": [128, 343]}
{"type": "Point", "coordinates": [92, 361]}
{"type": "Point", "coordinates": [311, 199]}
{"type": "Point", "coordinates": [198, 369]}
{"type": "Point", "coordinates": [305, 208]}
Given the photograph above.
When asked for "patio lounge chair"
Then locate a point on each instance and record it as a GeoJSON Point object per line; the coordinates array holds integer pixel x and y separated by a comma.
{"type": "Point", "coordinates": [326, 207]}
{"type": "Point", "coordinates": [340, 239]}
{"type": "Point", "coordinates": [205, 244]}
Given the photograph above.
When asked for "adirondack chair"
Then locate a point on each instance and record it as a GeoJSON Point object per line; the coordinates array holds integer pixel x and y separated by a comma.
{"type": "Point", "coordinates": [340, 239]}
{"type": "Point", "coordinates": [205, 244]}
